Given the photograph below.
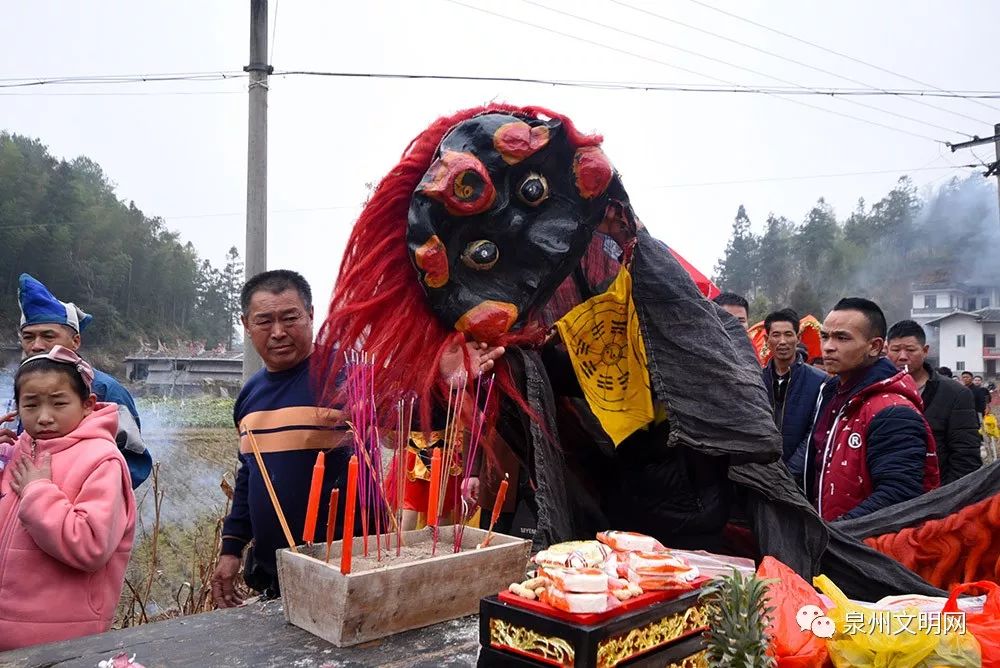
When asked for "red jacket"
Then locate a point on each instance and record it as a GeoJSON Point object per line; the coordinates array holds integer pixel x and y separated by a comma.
{"type": "Point", "coordinates": [879, 451]}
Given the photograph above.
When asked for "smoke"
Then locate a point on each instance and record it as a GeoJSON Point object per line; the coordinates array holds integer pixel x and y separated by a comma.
{"type": "Point", "coordinates": [193, 459]}
{"type": "Point", "coordinates": [961, 219]}
{"type": "Point", "coordinates": [7, 387]}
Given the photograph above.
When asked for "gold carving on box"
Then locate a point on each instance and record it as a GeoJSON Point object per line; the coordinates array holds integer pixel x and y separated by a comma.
{"type": "Point", "coordinates": [699, 660]}
{"type": "Point", "coordinates": [550, 649]}
{"type": "Point", "coordinates": [616, 649]}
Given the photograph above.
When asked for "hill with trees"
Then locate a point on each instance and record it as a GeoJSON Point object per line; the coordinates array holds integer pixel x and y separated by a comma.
{"type": "Point", "coordinates": [64, 224]}
{"type": "Point", "coordinates": [878, 251]}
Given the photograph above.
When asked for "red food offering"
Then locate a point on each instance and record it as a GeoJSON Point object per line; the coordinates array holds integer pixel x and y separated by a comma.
{"type": "Point", "coordinates": [619, 607]}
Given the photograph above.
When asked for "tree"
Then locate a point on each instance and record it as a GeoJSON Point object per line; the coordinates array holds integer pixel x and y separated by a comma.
{"type": "Point", "coordinates": [805, 300]}
{"type": "Point", "coordinates": [231, 286]}
{"type": "Point", "coordinates": [737, 271]}
{"type": "Point", "coordinates": [878, 252]}
{"type": "Point", "coordinates": [65, 225]}
{"type": "Point", "coordinates": [776, 270]}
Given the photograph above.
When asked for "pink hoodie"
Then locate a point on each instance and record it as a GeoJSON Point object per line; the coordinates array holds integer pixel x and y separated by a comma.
{"type": "Point", "coordinates": [64, 546]}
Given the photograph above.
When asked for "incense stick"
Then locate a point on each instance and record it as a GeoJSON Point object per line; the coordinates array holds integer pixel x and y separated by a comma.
{"type": "Point", "coordinates": [451, 440]}
{"type": "Point", "coordinates": [270, 490]}
{"type": "Point", "coordinates": [331, 520]}
{"type": "Point", "coordinates": [475, 434]}
{"type": "Point", "coordinates": [402, 447]}
{"type": "Point", "coordinates": [497, 509]}
{"type": "Point", "coordinates": [377, 515]}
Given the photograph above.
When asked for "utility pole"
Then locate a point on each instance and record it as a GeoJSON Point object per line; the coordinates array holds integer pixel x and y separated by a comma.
{"type": "Point", "coordinates": [991, 169]}
{"type": "Point", "coordinates": [256, 248]}
{"type": "Point", "coordinates": [996, 165]}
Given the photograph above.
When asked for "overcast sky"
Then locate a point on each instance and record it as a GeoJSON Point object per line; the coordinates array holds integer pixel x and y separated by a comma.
{"type": "Point", "coordinates": [179, 149]}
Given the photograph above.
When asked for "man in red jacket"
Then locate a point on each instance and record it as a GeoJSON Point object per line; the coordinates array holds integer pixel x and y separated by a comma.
{"type": "Point", "coordinates": [870, 446]}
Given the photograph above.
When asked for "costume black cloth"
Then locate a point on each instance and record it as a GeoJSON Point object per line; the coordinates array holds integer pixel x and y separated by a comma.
{"type": "Point", "coordinates": [719, 433]}
{"type": "Point", "coordinates": [941, 502]}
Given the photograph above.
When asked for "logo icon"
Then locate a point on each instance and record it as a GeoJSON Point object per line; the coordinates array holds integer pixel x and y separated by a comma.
{"type": "Point", "coordinates": [811, 618]}
{"type": "Point", "coordinates": [823, 627]}
{"type": "Point", "coordinates": [854, 440]}
{"type": "Point", "coordinates": [805, 616]}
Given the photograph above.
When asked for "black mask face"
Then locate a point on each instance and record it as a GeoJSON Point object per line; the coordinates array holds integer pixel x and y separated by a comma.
{"type": "Point", "coordinates": [502, 217]}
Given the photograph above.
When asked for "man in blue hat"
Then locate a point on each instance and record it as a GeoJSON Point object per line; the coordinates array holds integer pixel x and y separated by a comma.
{"type": "Point", "coordinates": [46, 322]}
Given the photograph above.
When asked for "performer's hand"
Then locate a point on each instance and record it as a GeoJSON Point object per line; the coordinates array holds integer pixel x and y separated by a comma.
{"type": "Point", "coordinates": [470, 491]}
{"type": "Point", "coordinates": [8, 435]}
{"type": "Point", "coordinates": [26, 471]}
{"type": "Point", "coordinates": [224, 582]}
{"type": "Point", "coordinates": [481, 356]}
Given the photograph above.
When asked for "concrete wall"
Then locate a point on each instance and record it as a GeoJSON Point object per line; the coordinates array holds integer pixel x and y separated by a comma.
{"type": "Point", "coordinates": [169, 376]}
{"type": "Point", "coordinates": [945, 300]}
{"type": "Point", "coordinates": [970, 356]}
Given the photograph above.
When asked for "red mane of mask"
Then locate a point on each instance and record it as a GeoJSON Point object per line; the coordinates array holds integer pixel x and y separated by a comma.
{"type": "Point", "coordinates": [378, 304]}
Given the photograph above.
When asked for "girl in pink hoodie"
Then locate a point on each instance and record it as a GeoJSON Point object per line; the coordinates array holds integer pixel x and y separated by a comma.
{"type": "Point", "coordinates": [67, 514]}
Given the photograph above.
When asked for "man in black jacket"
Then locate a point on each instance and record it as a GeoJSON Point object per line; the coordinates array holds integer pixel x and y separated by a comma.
{"type": "Point", "coordinates": [948, 407]}
{"type": "Point", "coordinates": [792, 386]}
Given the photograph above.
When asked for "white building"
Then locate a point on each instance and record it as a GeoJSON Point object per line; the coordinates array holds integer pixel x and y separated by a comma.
{"type": "Point", "coordinates": [967, 341]}
{"type": "Point", "coordinates": [933, 301]}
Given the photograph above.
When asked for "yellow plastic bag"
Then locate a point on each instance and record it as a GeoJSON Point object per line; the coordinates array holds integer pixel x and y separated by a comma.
{"type": "Point", "coordinates": [909, 638]}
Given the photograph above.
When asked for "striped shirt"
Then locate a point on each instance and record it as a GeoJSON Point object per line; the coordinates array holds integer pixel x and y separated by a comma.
{"type": "Point", "coordinates": [278, 411]}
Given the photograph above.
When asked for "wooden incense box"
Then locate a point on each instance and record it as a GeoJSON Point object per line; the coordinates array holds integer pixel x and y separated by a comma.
{"type": "Point", "coordinates": [664, 633]}
{"type": "Point", "coordinates": [382, 597]}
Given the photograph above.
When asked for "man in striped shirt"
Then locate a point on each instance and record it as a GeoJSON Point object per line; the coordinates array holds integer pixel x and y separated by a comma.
{"type": "Point", "coordinates": [277, 412]}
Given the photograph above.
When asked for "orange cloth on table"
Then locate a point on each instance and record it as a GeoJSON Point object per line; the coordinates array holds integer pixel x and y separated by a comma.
{"type": "Point", "coordinates": [961, 547]}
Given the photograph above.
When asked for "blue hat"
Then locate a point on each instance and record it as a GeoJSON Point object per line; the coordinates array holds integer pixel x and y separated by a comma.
{"type": "Point", "coordinates": [39, 306]}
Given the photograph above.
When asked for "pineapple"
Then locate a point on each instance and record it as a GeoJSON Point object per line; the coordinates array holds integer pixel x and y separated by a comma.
{"type": "Point", "coordinates": [738, 617]}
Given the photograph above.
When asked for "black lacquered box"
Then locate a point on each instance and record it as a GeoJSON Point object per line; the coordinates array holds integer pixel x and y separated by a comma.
{"type": "Point", "coordinates": [656, 629]}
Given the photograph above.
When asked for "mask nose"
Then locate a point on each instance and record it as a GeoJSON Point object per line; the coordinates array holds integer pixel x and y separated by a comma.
{"type": "Point", "coordinates": [488, 321]}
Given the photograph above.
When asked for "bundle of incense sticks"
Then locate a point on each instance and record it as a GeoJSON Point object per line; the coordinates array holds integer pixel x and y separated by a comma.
{"type": "Point", "coordinates": [475, 435]}
{"type": "Point", "coordinates": [374, 508]}
{"type": "Point", "coordinates": [452, 441]}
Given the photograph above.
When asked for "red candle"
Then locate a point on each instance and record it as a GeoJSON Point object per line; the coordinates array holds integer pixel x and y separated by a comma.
{"type": "Point", "coordinates": [498, 504]}
{"type": "Point", "coordinates": [352, 497]}
{"type": "Point", "coordinates": [331, 519]}
{"type": "Point", "coordinates": [315, 490]}
{"type": "Point", "coordinates": [432, 500]}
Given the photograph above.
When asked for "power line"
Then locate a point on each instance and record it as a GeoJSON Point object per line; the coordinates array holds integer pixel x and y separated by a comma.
{"type": "Point", "coordinates": [136, 76]}
{"type": "Point", "coordinates": [787, 59]}
{"type": "Point", "coordinates": [831, 51]}
{"type": "Point", "coordinates": [663, 62]}
{"type": "Point", "coordinates": [274, 32]}
{"type": "Point", "coordinates": [796, 90]}
{"type": "Point", "coordinates": [641, 86]}
{"type": "Point", "coordinates": [729, 64]}
{"type": "Point", "coordinates": [121, 93]}
{"type": "Point", "coordinates": [26, 82]}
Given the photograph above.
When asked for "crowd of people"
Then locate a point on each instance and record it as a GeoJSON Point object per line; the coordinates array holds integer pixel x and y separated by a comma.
{"type": "Point", "coordinates": [870, 423]}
